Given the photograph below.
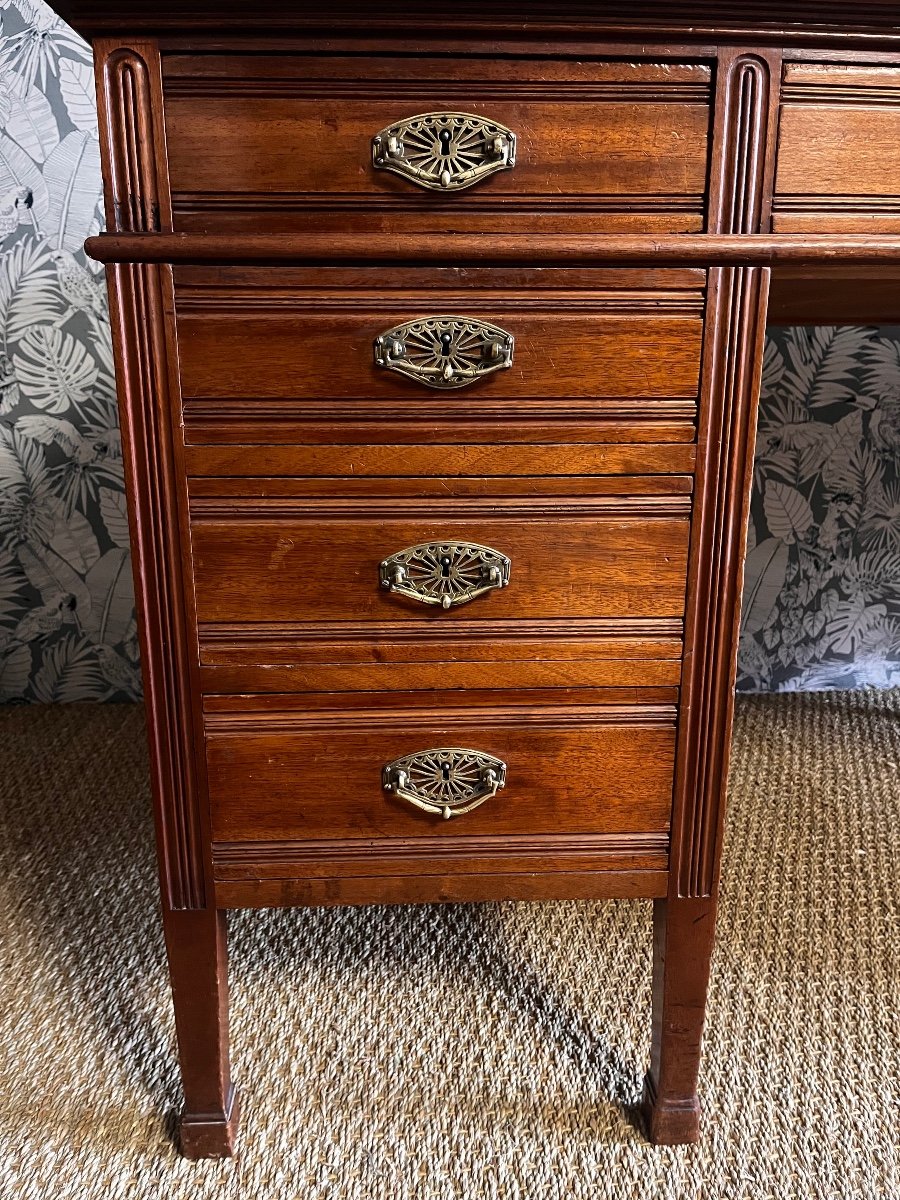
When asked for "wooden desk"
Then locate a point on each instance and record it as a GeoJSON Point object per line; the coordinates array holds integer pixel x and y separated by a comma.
{"type": "Point", "coordinates": [438, 491]}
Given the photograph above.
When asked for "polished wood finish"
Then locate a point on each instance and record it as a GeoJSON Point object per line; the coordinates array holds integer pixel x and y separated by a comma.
{"type": "Point", "coordinates": [443, 889]}
{"type": "Point", "coordinates": [574, 766]}
{"type": "Point", "coordinates": [198, 968]}
{"type": "Point", "coordinates": [601, 145]}
{"type": "Point", "coordinates": [671, 158]}
{"type": "Point", "coordinates": [814, 252]}
{"type": "Point", "coordinates": [390, 656]}
{"type": "Point", "coordinates": [838, 168]}
{"type": "Point", "coordinates": [280, 560]}
{"type": "Point", "coordinates": [261, 336]}
{"type": "Point", "coordinates": [834, 296]}
{"type": "Point", "coordinates": [141, 307]}
{"type": "Point", "coordinates": [683, 930]}
{"type": "Point", "coordinates": [871, 25]}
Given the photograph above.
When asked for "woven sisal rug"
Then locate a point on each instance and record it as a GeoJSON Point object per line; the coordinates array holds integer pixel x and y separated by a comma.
{"type": "Point", "coordinates": [483, 1051]}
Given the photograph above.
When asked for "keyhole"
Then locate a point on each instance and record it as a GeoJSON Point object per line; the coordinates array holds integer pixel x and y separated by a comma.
{"type": "Point", "coordinates": [445, 771]}
{"type": "Point", "coordinates": [445, 568]}
{"type": "Point", "coordinates": [446, 149]}
{"type": "Point", "coordinates": [446, 342]}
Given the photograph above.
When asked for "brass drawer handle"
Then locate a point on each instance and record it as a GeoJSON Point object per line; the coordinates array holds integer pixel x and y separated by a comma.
{"type": "Point", "coordinates": [445, 352]}
{"type": "Point", "coordinates": [448, 781]}
{"type": "Point", "coordinates": [444, 151]}
{"type": "Point", "coordinates": [445, 573]}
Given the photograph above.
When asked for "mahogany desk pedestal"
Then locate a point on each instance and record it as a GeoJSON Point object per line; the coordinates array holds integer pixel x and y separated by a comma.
{"type": "Point", "coordinates": [438, 340]}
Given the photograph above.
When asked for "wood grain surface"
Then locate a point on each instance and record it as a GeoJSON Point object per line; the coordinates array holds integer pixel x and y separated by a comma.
{"type": "Point", "coordinates": [315, 561]}
{"type": "Point", "coordinates": [255, 254]}
{"type": "Point", "coordinates": [600, 145]}
{"type": "Point", "coordinates": [838, 167]}
{"type": "Point", "coordinates": [302, 775]}
{"type": "Point", "coordinates": [324, 350]}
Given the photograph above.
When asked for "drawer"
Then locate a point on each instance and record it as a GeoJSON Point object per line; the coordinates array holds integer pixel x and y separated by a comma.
{"type": "Point", "coordinates": [304, 769]}
{"type": "Point", "coordinates": [288, 140]}
{"type": "Point", "coordinates": [286, 343]}
{"type": "Point", "coordinates": [301, 559]}
{"type": "Point", "coordinates": [838, 169]}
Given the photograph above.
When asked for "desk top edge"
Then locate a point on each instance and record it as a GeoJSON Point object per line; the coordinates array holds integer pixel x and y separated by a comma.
{"type": "Point", "coordinates": [870, 22]}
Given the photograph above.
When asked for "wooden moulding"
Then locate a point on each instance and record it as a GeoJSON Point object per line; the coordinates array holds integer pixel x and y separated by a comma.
{"type": "Point", "coordinates": [442, 889]}
{"type": "Point", "coordinates": [246, 145]}
{"type": "Point", "coordinates": [684, 923]}
{"type": "Point", "coordinates": [141, 300]}
{"type": "Point", "coordinates": [740, 203]}
{"type": "Point", "coordinates": [692, 249]}
{"type": "Point", "coordinates": [141, 307]}
{"type": "Point", "coordinates": [868, 24]}
{"type": "Point", "coordinates": [838, 168]}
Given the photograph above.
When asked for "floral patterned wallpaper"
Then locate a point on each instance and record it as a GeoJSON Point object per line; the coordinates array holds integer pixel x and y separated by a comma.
{"type": "Point", "coordinates": [822, 591]}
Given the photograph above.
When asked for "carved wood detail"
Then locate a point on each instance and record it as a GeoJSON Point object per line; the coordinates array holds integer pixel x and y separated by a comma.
{"type": "Point", "coordinates": [443, 887]}
{"type": "Point", "coordinates": [249, 301]}
{"type": "Point", "coordinates": [592, 133]}
{"type": "Point", "coordinates": [250, 501]}
{"type": "Point", "coordinates": [278, 633]}
{"type": "Point", "coordinates": [391, 656]}
{"type": "Point", "coordinates": [338, 64]}
{"type": "Point", "coordinates": [233, 411]}
{"type": "Point", "coordinates": [237, 508]}
{"type": "Point", "coordinates": [445, 486]}
{"type": "Point", "coordinates": [410, 858]}
{"type": "Point", "coordinates": [837, 206]}
{"type": "Point", "coordinates": [140, 298]}
{"type": "Point", "coordinates": [481, 699]}
{"type": "Point", "coordinates": [619, 91]}
{"type": "Point", "coordinates": [732, 371]}
{"type": "Point", "coordinates": [871, 24]}
{"type": "Point", "coordinates": [744, 140]}
{"type": "Point", "coordinates": [136, 193]}
{"type": "Point", "coordinates": [553, 716]}
{"type": "Point", "coordinates": [740, 202]}
{"type": "Point", "coordinates": [202, 205]}
{"type": "Point", "coordinates": [841, 84]}
{"type": "Point", "coordinates": [231, 859]}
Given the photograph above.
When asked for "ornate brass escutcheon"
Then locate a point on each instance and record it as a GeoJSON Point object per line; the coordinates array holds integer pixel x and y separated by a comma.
{"type": "Point", "coordinates": [445, 573]}
{"type": "Point", "coordinates": [445, 352]}
{"type": "Point", "coordinates": [446, 781]}
{"type": "Point", "coordinates": [444, 151]}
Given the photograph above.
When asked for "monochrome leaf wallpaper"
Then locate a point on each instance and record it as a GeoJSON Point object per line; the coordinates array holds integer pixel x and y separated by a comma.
{"type": "Point", "coordinates": [822, 589]}
{"type": "Point", "coordinates": [67, 626]}
{"type": "Point", "coordinates": [821, 604]}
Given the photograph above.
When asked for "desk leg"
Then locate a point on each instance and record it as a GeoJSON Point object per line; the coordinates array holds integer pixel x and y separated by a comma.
{"type": "Point", "coordinates": [142, 305]}
{"type": "Point", "coordinates": [682, 944]}
{"type": "Point", "coordinates": [684, 923]}
{"type": "Point", "coordinates": [198, 967]}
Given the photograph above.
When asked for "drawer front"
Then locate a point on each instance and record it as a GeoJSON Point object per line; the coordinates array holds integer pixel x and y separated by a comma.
{"type": "Point", "coordinates": [289, 772]}
{"type": "Point", "coordinates": [288, 560]}
{"type": "Point", "coordinates": [598, 145]}
{"type": "Point", "coordinates": [838, 167]}
{"type": "Point", "coordinates": [294, 336]}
